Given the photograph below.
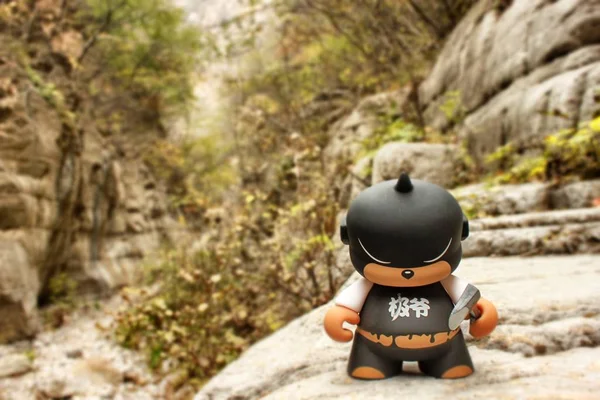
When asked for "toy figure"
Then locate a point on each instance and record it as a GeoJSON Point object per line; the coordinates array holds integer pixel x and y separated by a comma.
{"type": "Point", "coordinates": [404, 239]}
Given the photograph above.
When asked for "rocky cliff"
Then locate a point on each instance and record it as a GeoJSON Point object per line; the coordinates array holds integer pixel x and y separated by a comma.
{"type": "Point", "coordinates": [522, 69]}
{"type": "Point", "coordinates": [76, 197]}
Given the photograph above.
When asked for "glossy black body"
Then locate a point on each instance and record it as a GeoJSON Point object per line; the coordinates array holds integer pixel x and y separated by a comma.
{"type": "Point", "coordinates": [376, 317]}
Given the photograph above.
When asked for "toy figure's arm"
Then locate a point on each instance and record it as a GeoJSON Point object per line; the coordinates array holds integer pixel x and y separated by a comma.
{"type": "Point", "coordinates": [354, 296]}
{"type": "Point", "coordinates": [487, 320]}
{"type": "Point", "coordinates": [347, 306]}
{"type": "Point", "coordinates": [454, 287]}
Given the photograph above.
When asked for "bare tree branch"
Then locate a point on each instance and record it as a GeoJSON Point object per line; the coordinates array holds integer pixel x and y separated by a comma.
{"type": "Point", "coordinates": [106, 23]}
{"type": "Point", "coordinates": [425, 18]}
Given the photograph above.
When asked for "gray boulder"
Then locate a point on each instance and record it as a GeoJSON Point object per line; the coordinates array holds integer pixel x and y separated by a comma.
{"type": "Point", "coordinates": [576, 195]}
{"type": "Point", "coordinates": [430, 162]}
{"type": "Point", "coordinates": [347, 134]}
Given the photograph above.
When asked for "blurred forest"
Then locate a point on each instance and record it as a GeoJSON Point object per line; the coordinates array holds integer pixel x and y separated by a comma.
{"type": "Point", "coordinates": [258, 194]}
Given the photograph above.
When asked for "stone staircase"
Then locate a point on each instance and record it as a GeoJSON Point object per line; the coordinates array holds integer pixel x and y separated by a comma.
{"type": "Point", "coordinates": [536, 233]}
{"type": "Point", "coordinates": [532, 219]}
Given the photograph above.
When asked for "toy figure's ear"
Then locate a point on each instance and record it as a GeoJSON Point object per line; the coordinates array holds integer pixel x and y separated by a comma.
{"type": "Point", "coordinates": [344, 231]}
{"type": "Point", "coordinates": [465, 228]}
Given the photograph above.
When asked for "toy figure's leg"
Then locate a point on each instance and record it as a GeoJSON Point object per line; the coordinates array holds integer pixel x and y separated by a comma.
{"type": "Point", "coordinates": [364, 364]}
{"type": "Point", "coordinates": [456, 363]}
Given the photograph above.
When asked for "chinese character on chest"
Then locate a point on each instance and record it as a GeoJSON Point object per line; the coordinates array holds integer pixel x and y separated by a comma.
{"type": "Point", "coordinates": [402, 307]}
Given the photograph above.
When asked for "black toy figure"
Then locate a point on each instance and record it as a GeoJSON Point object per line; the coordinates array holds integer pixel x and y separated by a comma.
{"type": "Point", "coordinates": [405, 239]}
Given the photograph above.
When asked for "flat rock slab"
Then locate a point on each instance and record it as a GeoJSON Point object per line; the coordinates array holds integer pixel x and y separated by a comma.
{"type": "Point", "coordinates": [77, 361]}
{"type": "Point", "coordinates": [13, 365]}
{"type": "Point", "coordinates": [546, 346]}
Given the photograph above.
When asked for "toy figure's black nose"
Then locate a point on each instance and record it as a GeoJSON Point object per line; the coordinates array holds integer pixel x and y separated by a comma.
{"type": "Point", "coordinates": [407, 273]}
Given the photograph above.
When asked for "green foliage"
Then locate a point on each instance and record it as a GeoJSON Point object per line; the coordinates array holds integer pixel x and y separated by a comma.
{"type": "Point", "coordinates": [452, 107]}
{"type": "Point", "coordinates": [62, 289]}
{"type": "Point", "coordinates": [466, 170]}
{"type": "Point", "coordinates": [342, 48]}
{"type": "Point", "coordinates": [63, 299]}
{"type": "Point", "coordinates": [196, 171]}
{"type": "Point", "coordinates": [51, 94]}
{"type": "Point", "coordinates": [148, 47]}
{"type": "Point", "coordinates": [396, 131]}
{"type": "Point", "coordinates": [214, 302]}
{"type": "Point", "coordinates": [568, 153]}
{"type": "Point", "coordinates": [503, 155]}
{"type": "Point", "coordinates": [473, 205]}
{"type": "Point", "coordinates": [31, 355]}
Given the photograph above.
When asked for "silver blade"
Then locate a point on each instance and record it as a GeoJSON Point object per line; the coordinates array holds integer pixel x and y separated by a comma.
{"type": "Point", "coordinates": [463, 306]}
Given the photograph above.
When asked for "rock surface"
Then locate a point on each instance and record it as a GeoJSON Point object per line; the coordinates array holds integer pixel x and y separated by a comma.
{"type": "Point", "coordinates": [545, 346]}
{"type": "Point", "coordinates": [549, 232]}
{"type": "Point", "coordinates": [546, 218]}
{"type": "Point", "coordinates": [576, 195]}
{"type": "Point", "coordinates": [347, 134]}
{"type": "Point", "coordinates": [76, 200]}
{"type": "Point", "coordinates": [524, 71]}
{"type": "Point", "coordinates": [545, 239]}
{"type": "Point", "coordinates": [480, 200]}
{"type": "Point", "coordinates": [430, 162]}
{"type": "Point", "coordinates": [19, 285]}
{"type": "Point", "coordinates": [77, 361]}
{"type": "Point", "coordinates": [14, 365]}
{"type": "Point", "coordinates": [357, 180]}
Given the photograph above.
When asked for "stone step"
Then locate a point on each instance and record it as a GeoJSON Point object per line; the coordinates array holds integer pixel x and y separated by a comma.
{"type": "Point", "coordinates": [549, 232]}
{"type": "Point", "coordinates": [482, 200]}
{"type": "Point", "coordinates": [536, 240]}
{"type": "Point", "coordinates": [543, 218]}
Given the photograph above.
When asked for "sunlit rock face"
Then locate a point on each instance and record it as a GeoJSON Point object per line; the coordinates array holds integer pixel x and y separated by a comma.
{"type": "Point", "coordinates": [523, 71]}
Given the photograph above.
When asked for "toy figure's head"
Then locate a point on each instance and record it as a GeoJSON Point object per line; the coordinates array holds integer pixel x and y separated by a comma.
{"type": "Point", "coordinates": [405, 233]}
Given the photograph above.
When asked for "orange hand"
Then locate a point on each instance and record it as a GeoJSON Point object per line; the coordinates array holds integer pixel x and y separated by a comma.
{"type": "Point", "coordinates": [485, 324]}
{"type": "Point", "coordinates": [334, 319]}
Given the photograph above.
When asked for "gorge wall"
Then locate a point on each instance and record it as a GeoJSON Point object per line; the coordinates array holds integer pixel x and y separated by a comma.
{"type": "Point", "coordinates": [76, 198]}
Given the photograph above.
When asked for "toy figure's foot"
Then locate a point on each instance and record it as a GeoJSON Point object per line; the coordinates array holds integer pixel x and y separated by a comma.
{"type": "Point", "coordinates": [369, 373]}
{"type": "Point", "coordinates": [364, 364]}
{"type": "Point", "coordinates": [460, 371]}
{"type": "Point", "coordinates": [456, 363]}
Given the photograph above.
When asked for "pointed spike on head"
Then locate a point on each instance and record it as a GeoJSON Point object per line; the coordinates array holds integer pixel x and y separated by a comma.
{"type": "Point", "coordinates": [404, 185]}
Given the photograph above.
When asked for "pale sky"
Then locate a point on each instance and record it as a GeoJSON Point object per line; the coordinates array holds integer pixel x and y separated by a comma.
{"type": "Point", "coordinates": [211, 104]}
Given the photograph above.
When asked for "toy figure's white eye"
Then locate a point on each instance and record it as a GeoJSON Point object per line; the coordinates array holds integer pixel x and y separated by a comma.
{"type": "Point", "coordinates": [441, 255]}
{"type": "Point", "coordinates": [369, 254]}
